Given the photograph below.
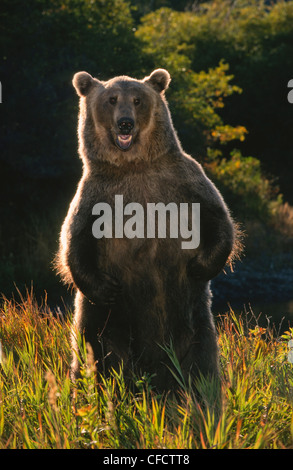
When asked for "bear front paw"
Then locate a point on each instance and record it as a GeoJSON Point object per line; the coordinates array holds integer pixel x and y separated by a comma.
{"type": "Point", "coordinates": [109, 289]}
{"type": "Point", "coordinates": [198, 272]}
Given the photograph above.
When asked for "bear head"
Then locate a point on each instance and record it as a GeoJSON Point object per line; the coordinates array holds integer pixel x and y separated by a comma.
{"type": "Point", "coordinates": [123, 115]}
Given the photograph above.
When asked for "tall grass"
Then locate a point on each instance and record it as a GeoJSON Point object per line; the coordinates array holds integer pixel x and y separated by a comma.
{"type": "Point", "coordinates": [40, 408]}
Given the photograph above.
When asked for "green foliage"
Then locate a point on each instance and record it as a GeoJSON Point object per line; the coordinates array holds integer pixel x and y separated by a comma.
{"type": "Point", "coordinates": [40, 408]}
{"type": "Point", "coordinates": [196, 103]}
{"type": "Point", "coordinates": [255, 39]}
{"type": "Point", "coordinates": [251, 195]}
{"type": "Point", "coordinates": [194, 97]}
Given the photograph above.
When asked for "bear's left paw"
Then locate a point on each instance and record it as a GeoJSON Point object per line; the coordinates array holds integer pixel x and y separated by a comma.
{"type": "Point", "coordinates": [109, 289]}
{"type": "Point", "coordinates": [199, 272]}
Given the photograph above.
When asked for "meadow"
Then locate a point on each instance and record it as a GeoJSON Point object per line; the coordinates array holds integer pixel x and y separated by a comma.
{"type": "Point", "coordinates": [40, 408]}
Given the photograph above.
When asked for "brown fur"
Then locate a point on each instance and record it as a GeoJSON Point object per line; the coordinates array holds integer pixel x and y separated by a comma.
{"type": "Point", "coordinates": [134, 295]}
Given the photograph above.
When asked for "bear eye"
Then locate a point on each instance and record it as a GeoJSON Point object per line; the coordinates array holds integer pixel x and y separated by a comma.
{"type": "Point", "coordinates": [136, 101]}
{"type": "Point", "coordinates": [113, 99]}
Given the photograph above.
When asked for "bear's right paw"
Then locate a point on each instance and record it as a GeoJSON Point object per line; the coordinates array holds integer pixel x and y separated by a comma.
{"type": "Point", "coordinates": [109, 289]}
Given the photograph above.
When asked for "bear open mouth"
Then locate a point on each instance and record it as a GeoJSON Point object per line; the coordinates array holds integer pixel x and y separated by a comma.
{"type": "Point", "coordinates": [124, 141]}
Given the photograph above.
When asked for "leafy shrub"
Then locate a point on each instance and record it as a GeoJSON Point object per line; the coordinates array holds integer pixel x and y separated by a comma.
{"type": "Point", "coordinates": [250, 194]}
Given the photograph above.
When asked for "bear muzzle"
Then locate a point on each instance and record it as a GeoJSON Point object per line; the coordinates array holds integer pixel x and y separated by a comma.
{"type": "Point", "coordinates": [124, 137]}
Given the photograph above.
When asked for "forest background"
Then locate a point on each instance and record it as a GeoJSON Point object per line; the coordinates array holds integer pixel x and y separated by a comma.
{"type": "Point", "coordinates": [230, 62]}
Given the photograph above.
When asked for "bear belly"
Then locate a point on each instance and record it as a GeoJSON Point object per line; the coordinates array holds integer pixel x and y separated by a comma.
{"type": "Point", "coordinates": [156, 293]}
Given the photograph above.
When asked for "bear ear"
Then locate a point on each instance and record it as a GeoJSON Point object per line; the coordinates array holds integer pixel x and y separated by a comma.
{"type": "Point", "coordinates": [83, 82]}
{"type": "Point", "coordinates": [159, 79]}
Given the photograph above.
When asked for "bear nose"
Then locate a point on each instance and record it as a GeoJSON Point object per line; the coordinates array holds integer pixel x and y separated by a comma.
{"type": "Point", "coordinates": [125, 125]}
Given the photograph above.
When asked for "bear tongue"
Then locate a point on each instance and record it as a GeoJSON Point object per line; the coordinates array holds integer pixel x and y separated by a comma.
{"type": "Point", "coordinates": [124, 140]}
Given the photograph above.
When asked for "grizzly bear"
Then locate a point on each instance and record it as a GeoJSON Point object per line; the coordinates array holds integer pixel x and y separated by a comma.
{"type": "Point", "coordinates": [136, 295]}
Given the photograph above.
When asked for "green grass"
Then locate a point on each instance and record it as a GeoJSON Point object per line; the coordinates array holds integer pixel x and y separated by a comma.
{"type": "Point", "coordinates": [40, 408]}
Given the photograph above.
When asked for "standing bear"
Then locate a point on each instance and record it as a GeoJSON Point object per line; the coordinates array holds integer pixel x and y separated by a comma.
{"type": "Point", "coordinates": [136, 294]}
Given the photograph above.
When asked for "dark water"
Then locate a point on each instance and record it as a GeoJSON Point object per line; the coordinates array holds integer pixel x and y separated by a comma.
{"type": "Point", "coordinates": [279, 314]}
